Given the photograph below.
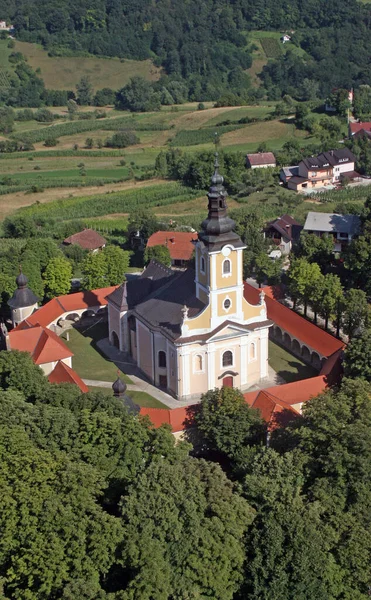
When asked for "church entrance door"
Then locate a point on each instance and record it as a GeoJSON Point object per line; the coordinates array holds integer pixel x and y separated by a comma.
{"type": "Point", "coordinates": [228, 382]}
{"type": "Point", "coordinates": [163, 381]}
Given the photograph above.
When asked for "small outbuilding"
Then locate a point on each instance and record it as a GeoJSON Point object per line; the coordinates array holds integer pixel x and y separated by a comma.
{"type": "Point", "coordinates": [88, 239]}
{"type": "Point", "coordinates": [260, 160]}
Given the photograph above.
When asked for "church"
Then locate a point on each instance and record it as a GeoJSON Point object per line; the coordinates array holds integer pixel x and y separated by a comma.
{"type": "Point", "coordinates": [192, 331]}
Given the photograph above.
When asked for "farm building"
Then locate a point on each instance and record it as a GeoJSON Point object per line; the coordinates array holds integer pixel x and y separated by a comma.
{"type": "Point", "coordinates": [343, 228]}
{"type": "Point", "coordinates": [88, 239]}
{"type": "Point", "coordinates": [260, 160]}
{"type": "Point", "coordinates": [180, 244]}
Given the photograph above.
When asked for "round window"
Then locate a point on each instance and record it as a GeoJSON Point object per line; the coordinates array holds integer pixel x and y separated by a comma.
{"type": "Point", "coordinates": [227, 304]}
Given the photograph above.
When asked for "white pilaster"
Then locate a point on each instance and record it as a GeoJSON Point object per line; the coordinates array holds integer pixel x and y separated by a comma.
{"type": "Point", "coordinates": [264, 353]}
{"type": "Point", "coordinates": [244, 360]}
{"type": "Point", "coordinates": [211, 366]}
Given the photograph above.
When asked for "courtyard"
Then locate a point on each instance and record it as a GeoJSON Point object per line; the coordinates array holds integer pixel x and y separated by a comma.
{"type": "Point", "coordinates": [288, 366]}
{"type": "Point", "coordinates": [91, 364]}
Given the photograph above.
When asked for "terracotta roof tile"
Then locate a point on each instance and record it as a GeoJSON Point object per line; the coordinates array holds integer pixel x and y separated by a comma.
{"type": "Point", "coordinates": [43, 345]}
{"type": "Point", "coordinates": [58, 306]}
{"type": "Point", "coordinates": [355, 127]}
{"type": "Point", "coordinates": [87, 239]}
{"type": "Point", "coordinates": [261, 158]}
{"type": "Point", "coordinates": [287, 319]}
{"type": "Point", "coordinates": [180, 243]}
{"type": "Point", "coordinates": [62, 373]}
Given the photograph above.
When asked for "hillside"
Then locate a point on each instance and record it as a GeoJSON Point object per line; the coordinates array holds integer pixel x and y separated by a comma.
{"type": "Point", "coordinates": [63, 73]}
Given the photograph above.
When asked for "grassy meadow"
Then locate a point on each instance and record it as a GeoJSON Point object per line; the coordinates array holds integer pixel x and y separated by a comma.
{"type": "Point", "coordinates": [62, 73]}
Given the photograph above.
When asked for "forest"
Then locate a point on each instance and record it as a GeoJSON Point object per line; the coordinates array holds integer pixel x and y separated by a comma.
{"type": "Point", "coordinates": [203, 43]}
{"type": "Point", "coordinates": [96, 504]}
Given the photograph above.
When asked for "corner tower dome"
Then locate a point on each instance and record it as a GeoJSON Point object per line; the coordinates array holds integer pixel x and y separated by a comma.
{"type": "Point", "coordinates": [217, 229]}
{"type": "Point", "coordinates": [23, 302]}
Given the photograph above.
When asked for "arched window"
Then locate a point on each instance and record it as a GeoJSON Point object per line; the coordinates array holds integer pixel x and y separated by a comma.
{"type": "Point", "coordinates": [252, 351]}
{"type": "Point", "coordinates": [198, 362]}
{"type": "Point", "coordinates": [227, 359]}
{"type": "Point", "coordinates": [202, 264]}
{"type": "Point", "coordinates": [226, 267]}
{"type": "Point", "coordinates": [162, 359]}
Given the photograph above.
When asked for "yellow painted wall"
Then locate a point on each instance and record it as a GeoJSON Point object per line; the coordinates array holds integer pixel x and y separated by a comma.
{"type": "Point", "coordinates": [250, 311]}
{"type": "Point", "coordinates": [230, 280]}
{"type": "Point", "coordinates": [201, 321]}
{"type": "Point", "coordinates": [233, 298]}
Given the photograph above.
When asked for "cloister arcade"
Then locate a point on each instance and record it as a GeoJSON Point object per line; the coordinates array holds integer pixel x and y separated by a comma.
{"type": "Point", "coordinates": [297, 347]}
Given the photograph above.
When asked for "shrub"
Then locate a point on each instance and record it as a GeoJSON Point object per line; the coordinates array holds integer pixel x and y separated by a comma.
{"type": "Point", "coordinates": [122, 139]}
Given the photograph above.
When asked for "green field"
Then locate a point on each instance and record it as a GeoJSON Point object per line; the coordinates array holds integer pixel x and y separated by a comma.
{"type": "Point", "coordinates": [63, 73]}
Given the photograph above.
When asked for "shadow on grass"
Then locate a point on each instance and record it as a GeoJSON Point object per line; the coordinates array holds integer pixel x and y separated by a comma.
{"type": "Point", "coordinates": [301, 372]}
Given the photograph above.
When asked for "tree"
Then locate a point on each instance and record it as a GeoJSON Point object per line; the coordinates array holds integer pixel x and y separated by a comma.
{"type": "Point", "coordinates": [287, 533]}
{"type": "Point", "coordinates": [355, 312]}
{"type": "Point", "coordinates": [143, 221]}
{"type": "Point", "coordinates": [316, 249]}
{"type": "Point", "coordinates": [302, 277]}
{"type": "Point", "coordinates": [357, 357]}
{"type": "Point", "coordinates": [192, 501]}
{"type": "Point", "coordinates": [72, 108]}
{"type": "Point", "coordinates": [18, 372]}
{"type": "Point", "coordinates": [6, 119]}
{"type": "Point", "coordinates": [227, 425]}
{"type": "Point", "coordinates": [122, 139]}
{"type": "Point", "coordinates": [105, 268]}
{"type": "Point", "coordinates": [116, 264]}
{"type": "Point", "coordinates": [48, 500]}
{"type": "Point", "coordinates": [44, 248]}
{"type": "Point", "coordinates": [138, 95]}
{"type": "Point", "coordinates": [84, 90]}
{"type": "Point", "coordinates": [104, 97]}
{"type": "Point", "coordinates": [249, 226]}
{"type": "Point", "coordinates": [93, 270]}
{"type": "Point", "coordinates": [331, 297]}
{"type": "Point", "coordinates": [159, 253]}
{"type": "Point", "coordinates": [57, 277]}
{"type": "Point", "coordinates": [268, 269]}
{"type": "Point", "coordinates": [89, 143]}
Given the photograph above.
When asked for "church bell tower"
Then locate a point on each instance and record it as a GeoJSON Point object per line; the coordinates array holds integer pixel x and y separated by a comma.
{"type": "Point", "coordinates": [219, 264]}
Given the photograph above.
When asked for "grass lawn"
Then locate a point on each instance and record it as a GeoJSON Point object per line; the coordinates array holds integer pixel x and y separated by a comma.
{"type": "Point", "coordinates": [63, 73]}
{"type": "Point", "coordinates": [287, 365]}
{"type": "Point", "coordinates": [141, 398]}
{"type": "Point", "coordinates": [87, 361]}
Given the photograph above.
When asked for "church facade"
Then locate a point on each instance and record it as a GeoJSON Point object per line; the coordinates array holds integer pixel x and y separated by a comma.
{"type": "Point", "coordinates": [192, 331]}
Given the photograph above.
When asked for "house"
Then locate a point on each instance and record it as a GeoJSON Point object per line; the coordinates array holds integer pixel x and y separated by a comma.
{"type": "Point", "coordinates": [181, 245]}
{"type": "Point", "coordinates": [361, 129]}
{"type": "Point", "coordinates": [285, 38]}
{"type": "Point", "coordinates": [5, 27]}
{"type": "Point", "coordinates": [88, 239]}
{"type": "Point", "coordinates": [326, 169]}
{"type": "Point", "coordinates": [260, 160]}
{"type": "Point", "coordinates": [191, 331]}
{"type": "Point", "coordinates": [287, 173]}
{"type": "Point", "coordinates": [283, 232]}
{"type": "Point", "coordinates": [343, 228]}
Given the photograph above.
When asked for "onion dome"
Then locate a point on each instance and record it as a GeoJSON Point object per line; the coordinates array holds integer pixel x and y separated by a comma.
{"type": "Point", "coordinates": [217, 229]}
{"type": "Point", "coordinates": [119, 388]}
{"type": "Point", "coordinates": [21, 280]}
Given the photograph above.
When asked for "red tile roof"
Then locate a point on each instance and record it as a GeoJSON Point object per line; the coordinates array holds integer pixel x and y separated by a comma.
{"type": "Point", "coordinates": [303, 330]}
{"type": "Point", "coordinates": [355, 127]}
{"type": "Point", "coordinates": [87, 239]}
{"type": "Point", "coordinates": [68, 303]}
{"type": "Point", "coordinates": [43, 345]}
{"type": "Point", "coordinates": [261, 158]}
{"type": "Point", "coordinates": [273, 410]}
{"type": "Point", "coordinates": [62, 373]}
{"type": "Point", "coordinates": [175, 418]}
{"type": "Point", "coordinates": [179, 243]}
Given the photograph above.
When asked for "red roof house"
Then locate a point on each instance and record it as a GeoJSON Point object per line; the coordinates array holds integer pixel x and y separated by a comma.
{"type": "Point", "coordinates": [360, 129]}
{"type": "Point", "coordinates": [62, 373]}
{"type": "Point", "coordinates": [179, 243]}
{"type": "Point", "coordinates": [88, 239]}
{"type": "Point", "coordinates": [43, 344]}
{"type": "Point", "coordinates": [260, 160]}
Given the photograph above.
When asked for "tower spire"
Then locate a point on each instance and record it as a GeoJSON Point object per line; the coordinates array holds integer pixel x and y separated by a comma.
{"type": "Point", "coordinates": [217, 229]}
